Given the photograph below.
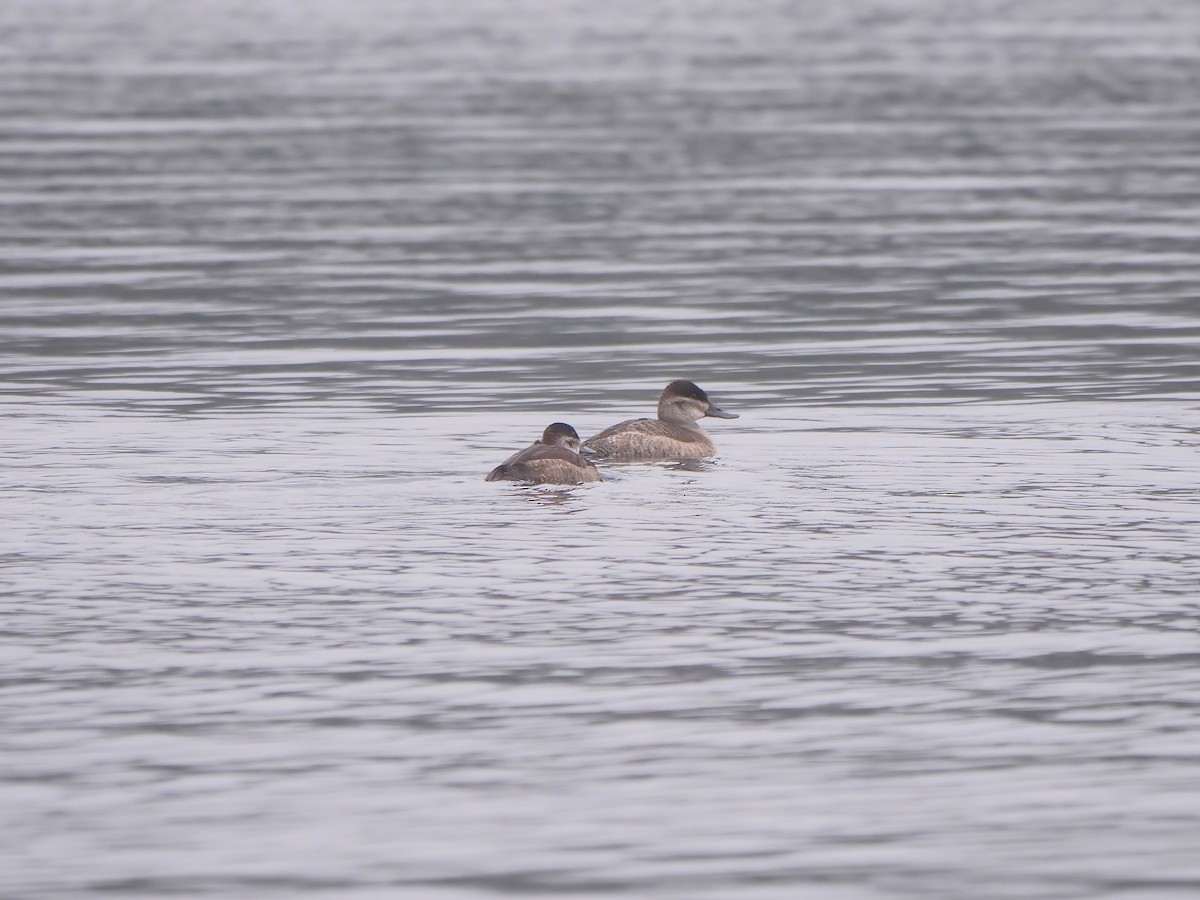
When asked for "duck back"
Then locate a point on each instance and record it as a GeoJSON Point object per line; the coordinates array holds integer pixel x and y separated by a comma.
{"type": "Point", "coordinates": [542, 464]}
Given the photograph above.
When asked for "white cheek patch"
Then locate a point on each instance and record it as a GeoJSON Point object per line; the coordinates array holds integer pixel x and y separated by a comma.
{"type": "Point", "coordinates": [690, 408]}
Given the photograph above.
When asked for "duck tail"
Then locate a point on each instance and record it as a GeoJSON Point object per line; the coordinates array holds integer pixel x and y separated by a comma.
{"type": "Point", "coordinates": [500, 473]}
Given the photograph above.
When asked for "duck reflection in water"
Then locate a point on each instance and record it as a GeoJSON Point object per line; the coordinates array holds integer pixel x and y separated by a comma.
{"type": "Point", "coordinates": [557, 497]}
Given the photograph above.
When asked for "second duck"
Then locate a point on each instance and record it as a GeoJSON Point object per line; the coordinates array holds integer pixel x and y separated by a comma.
{"type": "Point", "coordinates": [673, 435]}
{"type": "Point", "coordinates": [554, 459]}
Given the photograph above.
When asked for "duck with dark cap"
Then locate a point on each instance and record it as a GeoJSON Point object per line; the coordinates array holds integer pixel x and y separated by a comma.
{"type": "Point", "coordinates": [554, 459]}
{"type": "Point", "coordinates": [675, 434]}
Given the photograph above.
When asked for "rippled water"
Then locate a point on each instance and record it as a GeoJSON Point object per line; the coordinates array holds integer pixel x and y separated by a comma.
{"type": "Point", "coordinates": [281, 282]}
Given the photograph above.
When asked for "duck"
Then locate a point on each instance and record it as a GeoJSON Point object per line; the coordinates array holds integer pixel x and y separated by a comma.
{"type": "Point", "coordinates": [673, 435]}
{"type": "Point", "coordinates": [554, 459]}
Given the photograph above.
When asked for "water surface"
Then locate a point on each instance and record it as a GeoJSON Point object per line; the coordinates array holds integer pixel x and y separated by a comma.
{"type": "Point", "coordinates": [280, 283]}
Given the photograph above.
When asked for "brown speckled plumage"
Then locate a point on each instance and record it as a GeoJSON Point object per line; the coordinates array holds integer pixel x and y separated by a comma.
{"type": "Point", "coordinates": [652, 439]}
{"type": "Point", "coordinates": [552, 460]}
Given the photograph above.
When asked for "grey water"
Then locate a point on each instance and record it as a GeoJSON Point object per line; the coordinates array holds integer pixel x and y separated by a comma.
{"type": "Point", "coordinates": [280, 282]}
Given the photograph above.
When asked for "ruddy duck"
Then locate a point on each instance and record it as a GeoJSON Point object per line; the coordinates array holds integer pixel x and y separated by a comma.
{"type": "Point", "coordinates": [554, 459]}
{"type": "Point", "coordinates": [673, 435]}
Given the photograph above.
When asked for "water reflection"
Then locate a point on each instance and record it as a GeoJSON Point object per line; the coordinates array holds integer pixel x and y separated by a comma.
{"type": "Point", "coordinates": [669, 465]}
{"type": "Point", "coordinates": [547, 496]}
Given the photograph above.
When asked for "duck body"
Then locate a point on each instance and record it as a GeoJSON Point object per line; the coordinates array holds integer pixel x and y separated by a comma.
{"type": "Point", "coordinates": [651, 439]}
{"type": "Point", "coordinates": [675, 434]}
{"type": "Point", "coordinates": [554, 459]}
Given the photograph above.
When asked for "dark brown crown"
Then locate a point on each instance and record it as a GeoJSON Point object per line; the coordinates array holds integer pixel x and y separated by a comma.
{"type": "Point", "coordinates": [557, 432]}
{"type": "Point", "coordinates": [685, 389]}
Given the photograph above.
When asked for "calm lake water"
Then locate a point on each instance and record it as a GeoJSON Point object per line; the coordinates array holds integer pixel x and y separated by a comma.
{"type": "Point", "coordinates": [281, 282]}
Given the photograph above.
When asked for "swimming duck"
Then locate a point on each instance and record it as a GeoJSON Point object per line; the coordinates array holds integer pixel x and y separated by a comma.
{"type": "Point", "coordinates": [554, 459]}
{"type": "Point", "coordinates": [673, 435]}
